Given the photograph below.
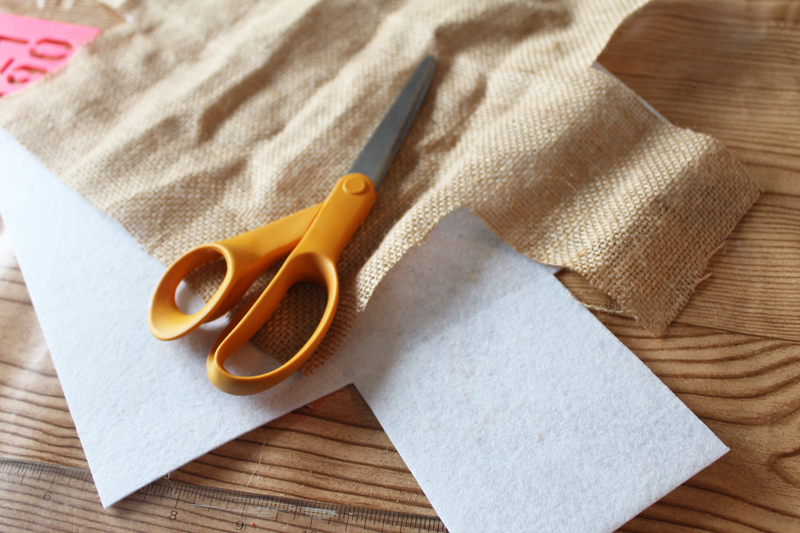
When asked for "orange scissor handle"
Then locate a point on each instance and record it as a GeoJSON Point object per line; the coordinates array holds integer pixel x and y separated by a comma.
{"type": "Point", "coordinates": [247, 256]}
{"type": "Point", "coordinates": [314, 259]}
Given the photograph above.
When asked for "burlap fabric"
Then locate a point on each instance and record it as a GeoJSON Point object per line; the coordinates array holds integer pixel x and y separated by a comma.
{"type": "Point", "coordinates": [198, 120]}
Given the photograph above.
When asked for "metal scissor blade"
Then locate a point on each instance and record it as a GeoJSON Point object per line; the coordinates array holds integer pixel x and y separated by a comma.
{"type": "Point", "coordinates": [381, 148]}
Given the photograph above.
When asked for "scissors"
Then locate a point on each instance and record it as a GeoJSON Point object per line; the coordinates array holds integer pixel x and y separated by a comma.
{"type": "Point", "coordinates": [313, 238]}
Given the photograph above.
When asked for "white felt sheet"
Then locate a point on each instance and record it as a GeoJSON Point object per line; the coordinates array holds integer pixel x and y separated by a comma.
{"type": "Point", "coordinates": [500, 391]}
{"type": "Point", "coordinates": [495, 386]}
{"type": "Point", "coordinates": [142, 407]}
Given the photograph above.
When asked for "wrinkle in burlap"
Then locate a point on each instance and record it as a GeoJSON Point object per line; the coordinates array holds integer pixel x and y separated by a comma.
{"type": "Point", "coordinates": [198, 120]}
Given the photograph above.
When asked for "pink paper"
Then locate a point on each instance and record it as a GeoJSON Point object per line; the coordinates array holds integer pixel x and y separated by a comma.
{"type": "Point", "coordinates": [30, 48]}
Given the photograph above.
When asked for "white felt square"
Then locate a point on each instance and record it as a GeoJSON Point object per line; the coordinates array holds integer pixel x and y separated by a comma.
{"type": "Point", "coordinates": [500, 392]}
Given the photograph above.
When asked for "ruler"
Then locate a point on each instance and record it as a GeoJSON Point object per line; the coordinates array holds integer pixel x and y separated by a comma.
{"type": "Point", "coordinates": [36, 497]}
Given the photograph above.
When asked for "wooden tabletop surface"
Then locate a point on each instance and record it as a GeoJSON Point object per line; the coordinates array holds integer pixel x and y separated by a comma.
{"type": "Point", "coordinates": [729, 68]}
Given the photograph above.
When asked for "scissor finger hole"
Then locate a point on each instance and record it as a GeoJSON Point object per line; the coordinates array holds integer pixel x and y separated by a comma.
{"type": "Point", "coordinates": [285, 333]}
{"type": "Point", "coordinates": [186, 299]}
{"type": "Point", "coordinates": [250, 360]}
{"type": "Point", "coordinates": [200, 285]}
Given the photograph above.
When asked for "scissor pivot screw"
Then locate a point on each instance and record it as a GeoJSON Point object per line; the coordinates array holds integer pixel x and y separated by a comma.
{"type": "Point", "coordinates": [355, 185]}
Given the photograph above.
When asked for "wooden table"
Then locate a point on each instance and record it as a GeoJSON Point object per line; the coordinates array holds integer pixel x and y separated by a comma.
{"type": "Point", "coordinates": [727, 68]}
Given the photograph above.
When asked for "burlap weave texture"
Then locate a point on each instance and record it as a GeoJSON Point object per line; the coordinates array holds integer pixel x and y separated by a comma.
{"type": "Point", "coordinates": [198, 120]}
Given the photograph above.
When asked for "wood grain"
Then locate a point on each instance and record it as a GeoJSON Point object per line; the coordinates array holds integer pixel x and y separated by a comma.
{"type": "Point", "coordinates": [727, 68]}
{"type": "Point", "coordinates": [724, 67]}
